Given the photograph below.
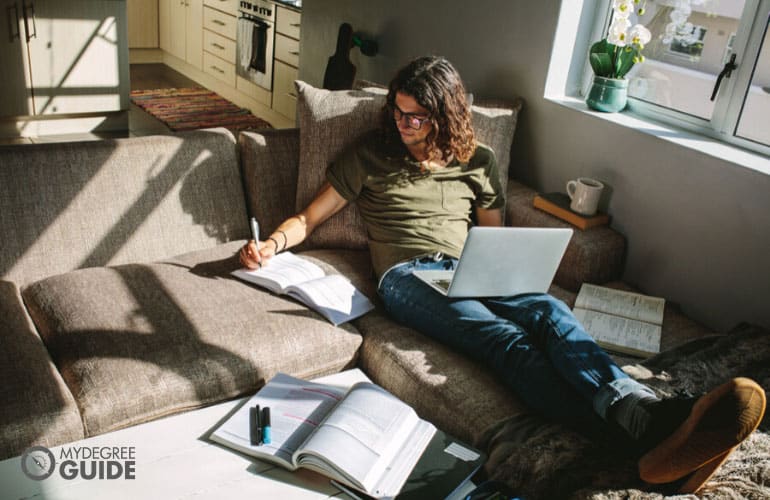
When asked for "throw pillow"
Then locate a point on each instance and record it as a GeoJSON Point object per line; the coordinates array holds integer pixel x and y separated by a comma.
{"type": "Point", "coordinates": [330, 121]}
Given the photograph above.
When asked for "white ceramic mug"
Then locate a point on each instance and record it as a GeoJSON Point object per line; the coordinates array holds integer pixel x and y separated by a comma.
{"type": "Point", "coordinates": [584, 193]}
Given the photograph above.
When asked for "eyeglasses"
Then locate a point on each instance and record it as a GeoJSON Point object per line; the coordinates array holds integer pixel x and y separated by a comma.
{"type": "Point", "coordinates": [412, 120]}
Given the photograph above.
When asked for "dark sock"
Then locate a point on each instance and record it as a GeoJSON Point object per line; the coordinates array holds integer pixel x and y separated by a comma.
{"type": "Point", "coordinates": [631, 412]}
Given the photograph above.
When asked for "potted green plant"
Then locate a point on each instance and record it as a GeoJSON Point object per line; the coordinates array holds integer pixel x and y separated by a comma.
{"type": "Point", "coordinates": [612, 57]}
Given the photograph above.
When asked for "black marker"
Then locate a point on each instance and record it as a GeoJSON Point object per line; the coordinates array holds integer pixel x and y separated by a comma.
{"type": "Point", "coordinates": [267, 434]}
{"type": "Point", "coordinates": [255, 426]}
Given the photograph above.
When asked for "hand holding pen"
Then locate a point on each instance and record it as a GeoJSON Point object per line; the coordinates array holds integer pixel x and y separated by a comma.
{"type": "Point", "coordinates": [250, 255]}
{"type": "Point", "coordinates": [255, 253]}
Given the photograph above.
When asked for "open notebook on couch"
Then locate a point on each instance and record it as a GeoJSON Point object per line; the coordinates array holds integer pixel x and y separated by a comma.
{"type": "Point", "coordinates": [331, 295]}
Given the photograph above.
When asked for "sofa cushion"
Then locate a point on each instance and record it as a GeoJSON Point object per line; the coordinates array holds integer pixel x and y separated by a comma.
{"type": "Point", "coordinates": [138, 341]}
{"type": "Point", "coordinates": [458, 395]}
{"type": "Point", "coordinates": [330, 121]}
{"type": "Point", "coordinates": [117, 201]}
{"type": "Point", "coordinates": [37, 407]}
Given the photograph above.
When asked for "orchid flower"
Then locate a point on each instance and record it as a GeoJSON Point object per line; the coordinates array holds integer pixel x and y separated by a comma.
{"type": "Point", "coordinates": [616, 54]}
{"type": "Point", "coordinates": [639, 35]}
{"type": "Point", "coordinates": [622, 8]}
{"type": "Point", "coordinates": [617, 34]}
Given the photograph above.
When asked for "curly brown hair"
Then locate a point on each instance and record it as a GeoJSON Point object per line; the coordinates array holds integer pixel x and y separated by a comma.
{"type": "Point", "coordinates": [436, 86]}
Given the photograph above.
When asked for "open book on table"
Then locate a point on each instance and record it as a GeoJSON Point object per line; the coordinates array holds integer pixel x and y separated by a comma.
{"type": "Point", "coordinates": [332, 295]}
{"type": "Point", "coordinates": [362, 437]}
{"type": "Point", "coordinates": [621, 321]}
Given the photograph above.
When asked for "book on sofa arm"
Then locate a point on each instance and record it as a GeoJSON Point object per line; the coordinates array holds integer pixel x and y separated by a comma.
{"type": "Point", "coordinates": [332, 295]}
{"type": "Point", "coordinates": [621, 321]}
{"type": "Point", "coordinates": [558, 205]}
{"type": "Point", "coordinates": [362, 437]}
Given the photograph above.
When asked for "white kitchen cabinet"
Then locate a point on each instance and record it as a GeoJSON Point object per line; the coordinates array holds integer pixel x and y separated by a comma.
{"type": "Point", "coordinates": [226, 6]}
{"type": "Point", "coordinates": [142, 24]}
{"type": "Point", "coordinates": [181, 23]}
{"type": "Point", "coordinates": [286, 61]}
{"type": "Point", "coordinates": [220, 25]}
{"type": "Point", "coordinates": [63, 58]}
{"type": "Point", "coordinates": [284, 93]}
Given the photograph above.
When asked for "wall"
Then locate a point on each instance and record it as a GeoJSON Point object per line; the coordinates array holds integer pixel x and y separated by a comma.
{"type": "Point", "coordinates": [698, 227]}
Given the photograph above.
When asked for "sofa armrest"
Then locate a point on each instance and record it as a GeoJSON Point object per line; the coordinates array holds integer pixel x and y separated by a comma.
{"type": "Point", "coordinates": [270, 160]}
{"type": "Point", "coordinates": [594, 255]}
{"type": "Point", "coordinates": [38, 407]}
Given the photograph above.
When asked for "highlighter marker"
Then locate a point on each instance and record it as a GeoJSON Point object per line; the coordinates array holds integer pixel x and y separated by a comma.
{"type": "Point", "coordinates": [267, 434]}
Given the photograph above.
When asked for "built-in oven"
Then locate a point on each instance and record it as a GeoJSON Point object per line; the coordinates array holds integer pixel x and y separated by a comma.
{"type": "Point", "coordinates": [256, 36]}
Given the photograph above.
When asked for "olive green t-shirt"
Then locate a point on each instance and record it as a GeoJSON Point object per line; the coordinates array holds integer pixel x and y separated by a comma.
{"type": "Point", "coordinates": [408, 212]}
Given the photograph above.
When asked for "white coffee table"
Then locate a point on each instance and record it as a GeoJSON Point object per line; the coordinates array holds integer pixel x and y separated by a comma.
{"type": "Point", "coordinates": [174, 460]}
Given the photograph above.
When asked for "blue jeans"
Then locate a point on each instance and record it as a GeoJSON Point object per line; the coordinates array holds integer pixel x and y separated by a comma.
{"type": "Point", "coordinates": [532, 342]}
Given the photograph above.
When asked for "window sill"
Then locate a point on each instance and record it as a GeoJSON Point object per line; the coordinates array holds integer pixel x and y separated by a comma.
{"type": "Point", "coordinates": [690, 140]}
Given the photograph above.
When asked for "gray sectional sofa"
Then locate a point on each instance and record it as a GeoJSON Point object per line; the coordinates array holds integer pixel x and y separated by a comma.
{"type": "Point", "coordinates": [116, 304]}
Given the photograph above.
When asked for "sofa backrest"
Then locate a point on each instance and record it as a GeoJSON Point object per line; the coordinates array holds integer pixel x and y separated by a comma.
{"type": "Point", "coordinates": [66, 206]}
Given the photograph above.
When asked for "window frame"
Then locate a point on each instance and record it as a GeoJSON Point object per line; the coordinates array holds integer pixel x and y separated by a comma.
{"type": "Point", "coordinates": [733, 91]}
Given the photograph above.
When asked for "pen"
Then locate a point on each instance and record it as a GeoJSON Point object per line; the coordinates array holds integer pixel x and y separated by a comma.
{"type": "Point", "coordinates": [255, 236]}
{"type": "Point", "coordinates": [267, 431]}
{"type": "Point", "coordinates": [255, 427]}
{"type": "Point", "coordinates": [255, 231]}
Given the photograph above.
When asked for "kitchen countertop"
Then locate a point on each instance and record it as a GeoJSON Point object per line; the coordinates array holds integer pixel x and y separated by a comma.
{"type": "Point", "coordinates": [294, 4]}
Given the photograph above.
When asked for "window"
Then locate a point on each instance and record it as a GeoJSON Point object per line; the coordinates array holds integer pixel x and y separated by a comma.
{"type": "Point", "coordinates": [693, 42]}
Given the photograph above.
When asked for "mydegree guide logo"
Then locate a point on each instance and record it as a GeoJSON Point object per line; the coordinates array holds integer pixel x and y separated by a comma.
{"type": "Point", "coordinates": [95, 462]}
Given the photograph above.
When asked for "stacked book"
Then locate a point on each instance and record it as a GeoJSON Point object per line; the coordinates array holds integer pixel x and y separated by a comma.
{"type": "Point", "coordinates": [557, 204]}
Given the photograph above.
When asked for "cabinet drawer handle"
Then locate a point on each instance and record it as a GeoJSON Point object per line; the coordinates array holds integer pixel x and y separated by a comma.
{"type": "Point", "coordinates": [294, 52]}
{"type": "Point", "coordinates": [220, 47]}
{"type": "Point", "coordinates": [217, 21]}
{"type": "Point", "coordinates": [295, 25]}
{"type": "Point", "coordinates": [217, 69]}
{"type": "Point", "coordinates": [292, 95]}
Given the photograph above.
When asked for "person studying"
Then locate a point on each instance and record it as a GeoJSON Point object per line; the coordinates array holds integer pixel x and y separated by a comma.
{"type": "Point", "coordinates": [420, 183]}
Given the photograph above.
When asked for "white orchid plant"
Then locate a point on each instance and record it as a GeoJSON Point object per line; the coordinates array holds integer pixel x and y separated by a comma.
{"type": "Point", "coordinates": [615, 55]}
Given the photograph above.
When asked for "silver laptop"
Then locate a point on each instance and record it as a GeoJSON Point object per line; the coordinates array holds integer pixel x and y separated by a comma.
{"type": "Point", "coordinates": [501, 261]}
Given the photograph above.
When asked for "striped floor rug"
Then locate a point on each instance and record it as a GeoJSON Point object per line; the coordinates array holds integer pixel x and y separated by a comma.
{"type": "Point", "coordinates": [195, 108]}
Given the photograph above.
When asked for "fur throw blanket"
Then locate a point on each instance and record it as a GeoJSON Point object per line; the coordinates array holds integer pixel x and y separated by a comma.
{"type": "Point", "coordinates": [543, 460]}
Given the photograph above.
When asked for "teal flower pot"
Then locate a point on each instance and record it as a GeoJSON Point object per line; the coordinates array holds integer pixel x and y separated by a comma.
{"type": "Point", "coordinates": [608, 94]}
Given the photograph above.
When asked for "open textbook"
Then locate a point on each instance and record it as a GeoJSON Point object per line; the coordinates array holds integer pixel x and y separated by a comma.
{"type": "Point", "coordinates": [362, 437]}
{"type": "Point", "coordinates": [333, 295]}
{"type": "Point", "coordinates": [621, 321]}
